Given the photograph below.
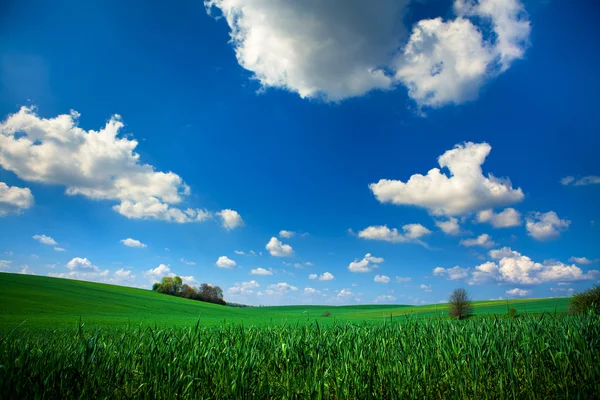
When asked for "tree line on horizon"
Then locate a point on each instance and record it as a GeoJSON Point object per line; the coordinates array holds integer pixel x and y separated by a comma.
{"type": "Point", "coordinates": [174, 286]}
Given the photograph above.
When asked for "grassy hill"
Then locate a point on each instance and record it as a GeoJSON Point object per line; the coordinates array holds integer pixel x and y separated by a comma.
{"type": "Point", "coordinates": [42, 302]}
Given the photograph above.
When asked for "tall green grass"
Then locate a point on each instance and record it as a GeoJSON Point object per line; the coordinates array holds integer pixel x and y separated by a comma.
{"type": "Point", "coordinates": [535, 357]}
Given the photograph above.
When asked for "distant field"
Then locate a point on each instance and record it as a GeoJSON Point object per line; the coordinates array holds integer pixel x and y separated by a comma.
{"type": "Point", "coordinates": [42, 302]}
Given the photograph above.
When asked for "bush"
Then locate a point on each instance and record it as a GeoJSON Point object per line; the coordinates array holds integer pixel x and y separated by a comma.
{"type": "Point", "coordinates": [586, 300]}
{"type": "Point", "coordinates": [326, 314]}
{"type": "Point", "coordinates": [460, 304]}
{"type": "Point", "coordinates": [512, 312]}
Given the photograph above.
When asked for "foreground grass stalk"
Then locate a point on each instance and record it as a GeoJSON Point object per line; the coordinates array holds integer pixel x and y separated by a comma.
{"type": "Point", "coordinates": [550, 357]}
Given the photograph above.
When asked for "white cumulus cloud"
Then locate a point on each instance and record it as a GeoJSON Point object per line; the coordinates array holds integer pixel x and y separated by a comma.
{"type": "Point", "coordinates": [504, 219]}
{"type": "Point", "coordinates": [98, 164]}
{"type": "Point", "coordinates": [467, 190]}
{"type": "Point", "coordinates": [82, 269]}
{"type": "Point", "coordinates": [225, 262]}
{"type": "Point", "coordinates": [244, 288]}
{"type": "Point", "coordinates": [326, 277]}
{"type": "Point", "coordinates": [454, 273]}
{"type": "Point", "coordinates": [483, 240]}
{"type": "Point", "coordinates": [261, 271]}
{"type": "Point", "coordinates": [513, 267]}
{"type": "Point", "coordinates": [344, 293]}
{"type": "Point", "coordinates": [13, 199]}
{"type": "Point", "coordinates": [278, 249]}
{"type": "Point", "coordinates": [310, 291]}
{"type": "Point", "coordinates": [582, 260]}
{"type": "Point", "coordinates": [230, 219]}
{"type": "Point", "coordinates": [124, 274]}
{"type": "Point", "coordinates": [281, 288]}
{"type": "Point", "coordinates": [449, 61]}
{"type": "Point", "coordinates": [45, 240]}
{"type": "Point", "coordinates": [331, 50]}
{"type": "Point", "coordinates": [366, 264]}
{"type": "Point", "coordinates": [412, 232]}
{"type": "Point", "coordinates": [339, 49]}
{"type": "Point", "coordinates": [156, 274]}
{"type": "Point", "coordinates": [286, 234]}
{"type": "Point", "coordinates": [449, 226]}
{"type": "Point", "coordinates": [516, 292]}
{"type": "Point", "coordinates": [586, 180]}
{"type": "Point", "coordinates": [545, 226]}
{"type": "Point", "coordinates": [129, 242]}
{"type": "Point", "coordinates": [382, 279]}
{"type": "Point", "coordinates": [384, 299]}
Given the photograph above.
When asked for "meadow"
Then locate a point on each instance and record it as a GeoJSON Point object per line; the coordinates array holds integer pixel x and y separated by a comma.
{"type": "Point", "coordinates": [103, 341]}
{"type": "Point", "coordinates": [37, 302]}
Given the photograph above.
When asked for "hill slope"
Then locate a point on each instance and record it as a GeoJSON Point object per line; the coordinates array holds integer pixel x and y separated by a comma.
{"type": "Point", "coordinates": [43, 302]}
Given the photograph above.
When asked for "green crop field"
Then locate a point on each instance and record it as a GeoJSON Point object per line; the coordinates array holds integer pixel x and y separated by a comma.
{"type": "Point", "coordinates": [34, 302]}
{"type": "Point", "coordinates": [71, 339]}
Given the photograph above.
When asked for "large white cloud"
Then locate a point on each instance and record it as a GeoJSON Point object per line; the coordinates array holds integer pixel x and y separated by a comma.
{"type": "Point", "coordinates": [96, 164]}
{"type": "Point", "coordinates": [366, 264]}
{"type": "Point", "coordinates": [545, 226]}
{"type": "Point", "coordinates": [412, 232]}
{"type": "Point", "coordinates": [278, 249]}
{"type": "Point", "coordinates": [338, 49]}
{"type": "Point", "coordinates": [331, 49]}
{"type": "Point", "coordinates": [13, 199]}
{"type": "Point", "coordinates": [467, 190]}
{"type": "Point", "coordinates": [504, 219]}
{"type": "Point", "coordinates": [513, 267]}
{"type": "Point", "coordinates": [449, 61]}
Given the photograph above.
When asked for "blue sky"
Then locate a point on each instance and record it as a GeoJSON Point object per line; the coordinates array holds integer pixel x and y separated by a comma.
{"type": "Point", "coordinates": [140, 140]}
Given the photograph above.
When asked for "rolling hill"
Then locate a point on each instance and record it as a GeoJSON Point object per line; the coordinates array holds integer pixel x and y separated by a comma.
{"type": "Point", "coordinates": [34, 302]}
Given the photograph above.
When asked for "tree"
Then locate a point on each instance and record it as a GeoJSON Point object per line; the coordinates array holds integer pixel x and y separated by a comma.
{"type": "Point", "coordinates": [460, 304]}
{"type": "Point", "coordinates": [188, 292]}
{"type": "Point", "coordinates": [586, 300]}
{"type": "Point", "coordinates": [177, 285]}
{"type": "Point", "coordinates": [174, 286]}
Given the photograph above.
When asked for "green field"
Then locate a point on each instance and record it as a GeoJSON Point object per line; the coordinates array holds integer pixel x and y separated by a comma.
{"type": "Point", "coordinates": [70, 339]}
{"type": "Point", "coordinates": [33, 302]}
